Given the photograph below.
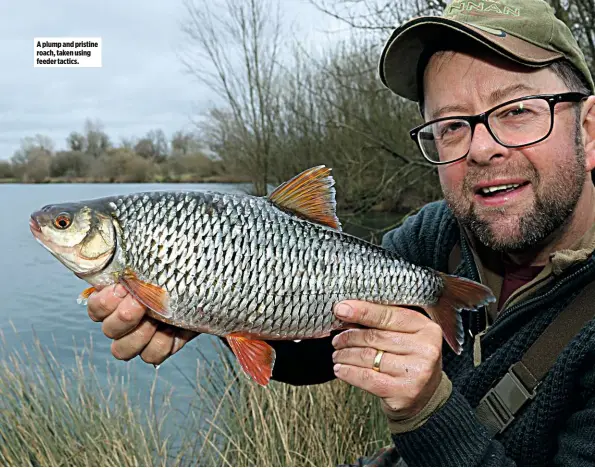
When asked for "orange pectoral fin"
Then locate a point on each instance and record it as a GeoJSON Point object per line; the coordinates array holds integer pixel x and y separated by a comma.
{"type": "Point", "coordinates": [150, 295]}
{"type": "Point", "coordinates": [256, 357]}
{"type": "Point", "coordinates": [82, 299]}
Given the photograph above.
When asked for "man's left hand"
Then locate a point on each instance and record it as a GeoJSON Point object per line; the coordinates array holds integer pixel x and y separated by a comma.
{"type": "Point", "coordinates": [411, 366]}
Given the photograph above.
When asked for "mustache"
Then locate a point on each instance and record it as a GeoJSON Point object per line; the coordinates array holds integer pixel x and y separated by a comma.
{"type": "Point", "coordinates": [473, 177]}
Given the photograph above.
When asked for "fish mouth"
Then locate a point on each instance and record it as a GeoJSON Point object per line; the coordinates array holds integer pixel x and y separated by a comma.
{"type": "Point", "coordinates": [34, 227]}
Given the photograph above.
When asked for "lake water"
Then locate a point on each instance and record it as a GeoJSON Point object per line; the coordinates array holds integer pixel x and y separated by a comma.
{"type": "Point", "coordinates": [38, 295]}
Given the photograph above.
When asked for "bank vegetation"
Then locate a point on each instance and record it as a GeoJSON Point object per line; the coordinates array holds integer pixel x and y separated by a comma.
{"type": "Point", "coordinates": [280, 109]}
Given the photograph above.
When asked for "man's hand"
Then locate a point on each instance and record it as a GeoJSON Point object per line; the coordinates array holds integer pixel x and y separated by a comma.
{"type": "Point", "coordinates": [411, 366]}
{"type": "Point", "coordinates": [133, 332]}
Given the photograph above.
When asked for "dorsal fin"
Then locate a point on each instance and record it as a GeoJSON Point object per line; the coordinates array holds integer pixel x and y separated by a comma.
{"type": "Point", "coordinates": [310, 195]}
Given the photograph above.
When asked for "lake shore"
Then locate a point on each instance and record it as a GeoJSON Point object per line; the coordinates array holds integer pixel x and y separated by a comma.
{"type": "Point", "coordinates": [186, 179]}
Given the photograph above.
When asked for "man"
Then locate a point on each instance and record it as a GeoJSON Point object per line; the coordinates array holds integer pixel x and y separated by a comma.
{"type": "Point", "coordinates": [510, 123]}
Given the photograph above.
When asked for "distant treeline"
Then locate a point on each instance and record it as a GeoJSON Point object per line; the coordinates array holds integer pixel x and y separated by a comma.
{"type": "Point", "coordinates": [92, 157]}
{"type": "Point", "coordinates": [280, 110]}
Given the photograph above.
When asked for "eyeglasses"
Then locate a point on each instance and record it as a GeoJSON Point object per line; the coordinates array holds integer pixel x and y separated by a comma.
{"type": "Point", "coordinates": [515, 123]}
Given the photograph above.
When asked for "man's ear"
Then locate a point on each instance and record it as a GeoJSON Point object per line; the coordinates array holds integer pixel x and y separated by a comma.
{"type": "Point", "coordinates": [588, 127]}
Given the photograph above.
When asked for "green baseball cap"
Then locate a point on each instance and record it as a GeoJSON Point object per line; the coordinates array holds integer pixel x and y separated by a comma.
{"type": "Point", "coordinates": [525, 31]}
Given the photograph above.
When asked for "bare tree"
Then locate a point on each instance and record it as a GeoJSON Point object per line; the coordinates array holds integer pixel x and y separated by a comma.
{"type": "Point", "coordinates": [69, 164]}
{"type": "Point", "coordinates": [123, 165]}
{"type": "Point", "coordinates": [31, 162]}
{"type": "Point", "coordinates": [381, 16]}
{"type": "Point", "coordinates": [377, 17]}
{"type": "Point", "coordinates": [127, 143]}
{"type": "Point", "coordinates": [96, 140]}
{"type": "Point", "coordinates": [77, 142]}
{"type": "Point", "coordinates": [6, 170]}
{"type": "Point", "coordinates": [234, 50]}
{"type": "Point", "coordinates": [336, 112]}
{"type": "Point", "coordinates": [183, 143]}
{"type": "Point", "coordinates": [153, 146]}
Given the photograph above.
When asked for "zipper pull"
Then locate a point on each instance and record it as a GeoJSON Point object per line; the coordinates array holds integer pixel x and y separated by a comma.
{"type": "Point", "coordinates": [477, 348]}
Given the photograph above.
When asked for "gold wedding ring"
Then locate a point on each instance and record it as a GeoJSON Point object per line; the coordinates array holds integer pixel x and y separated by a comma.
{"type": "Point", "coordinates": [377, 359]}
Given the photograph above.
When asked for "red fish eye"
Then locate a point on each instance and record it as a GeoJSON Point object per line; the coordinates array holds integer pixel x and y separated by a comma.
{"type": "Point", "coordinates": [62, 221]}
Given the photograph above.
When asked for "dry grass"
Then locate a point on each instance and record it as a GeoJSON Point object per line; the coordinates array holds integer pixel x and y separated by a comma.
{"type": "Point", "coordinates": [243, 424]}
{"type": "Point", "coordinates": [50, 416]}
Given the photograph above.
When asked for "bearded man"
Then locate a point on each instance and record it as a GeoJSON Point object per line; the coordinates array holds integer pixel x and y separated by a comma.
{"type": "Point", "coordinates": [509, 122]}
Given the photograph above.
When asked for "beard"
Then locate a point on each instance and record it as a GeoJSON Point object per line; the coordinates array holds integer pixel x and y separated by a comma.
{"type": "Point", "coordinates": [554, 204]}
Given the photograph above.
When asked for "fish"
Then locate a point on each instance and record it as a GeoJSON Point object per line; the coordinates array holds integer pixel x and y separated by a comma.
{"type": "Point", "coordinates": [245, 268]}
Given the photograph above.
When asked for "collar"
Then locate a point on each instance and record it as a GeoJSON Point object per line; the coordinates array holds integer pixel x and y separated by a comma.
{"type": "Point", "coordinates": [580, 251]}
{"type": "Point", "coordinates": [490, 266]}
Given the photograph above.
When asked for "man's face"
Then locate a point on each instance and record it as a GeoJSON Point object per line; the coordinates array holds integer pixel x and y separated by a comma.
{"type": "Point", "coordinates": [551, 173]}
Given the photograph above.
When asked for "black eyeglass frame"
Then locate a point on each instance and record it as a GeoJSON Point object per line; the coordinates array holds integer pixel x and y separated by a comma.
{"type": "Point", "coordinates": [473, 120]}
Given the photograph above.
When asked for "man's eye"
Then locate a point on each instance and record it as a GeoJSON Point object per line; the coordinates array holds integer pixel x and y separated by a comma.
{"type": "Point", "coordinates": [518, 111]}
{"type": "Point", "coordinates": [450, 128]}
{"type": "Point", "coordinates": [515, 112]}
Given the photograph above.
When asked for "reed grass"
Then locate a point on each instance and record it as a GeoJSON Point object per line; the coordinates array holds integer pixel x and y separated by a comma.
{"type": "Point", "coordinates": [51, 416]}
{"type": "Point", "coordinates": [284, 425]}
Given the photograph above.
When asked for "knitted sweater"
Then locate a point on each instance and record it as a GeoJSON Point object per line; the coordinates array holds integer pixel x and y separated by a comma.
{"type": "Point", "coordinates": [558, 426]}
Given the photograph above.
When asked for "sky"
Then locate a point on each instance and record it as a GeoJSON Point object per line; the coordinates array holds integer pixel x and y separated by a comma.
{"type": "Point", "coordinates": [142, 84]}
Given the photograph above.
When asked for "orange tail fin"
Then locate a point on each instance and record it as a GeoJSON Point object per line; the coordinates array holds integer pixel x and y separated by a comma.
{"type": "Point", "coordinates": [458, 293]}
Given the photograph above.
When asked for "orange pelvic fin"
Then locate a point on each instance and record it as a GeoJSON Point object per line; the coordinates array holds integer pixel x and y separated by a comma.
{"type": "Point", "coordinates": [256, 357]}
{"type": "Point", "coordinates": [150, 295]}
{"type": "Point", "coordinates": [82, 299]}
{"type": "Point", "coordinates": [458, 293]}
{"type": "Point", "coordinates": [310, 195]}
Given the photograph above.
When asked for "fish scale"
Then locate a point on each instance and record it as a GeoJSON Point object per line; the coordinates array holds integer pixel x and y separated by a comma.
{"type": "Point", "coordinates": [247, 268]}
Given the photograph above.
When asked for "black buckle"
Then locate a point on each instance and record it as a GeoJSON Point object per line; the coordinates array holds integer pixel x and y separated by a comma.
{"type": "Point", "coordinates": [504, 400]}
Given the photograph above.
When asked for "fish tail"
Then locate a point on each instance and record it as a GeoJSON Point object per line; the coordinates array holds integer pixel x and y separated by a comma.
{"type": "Point", "coordinates": [457, 294]}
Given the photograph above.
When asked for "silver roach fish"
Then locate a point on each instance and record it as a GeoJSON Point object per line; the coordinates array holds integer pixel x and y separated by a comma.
{"type": "Point", "coordinates": [245, 268]}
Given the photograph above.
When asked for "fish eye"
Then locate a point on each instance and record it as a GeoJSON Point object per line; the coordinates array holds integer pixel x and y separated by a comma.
{"type": "Point", "coordinates": [62, 221]}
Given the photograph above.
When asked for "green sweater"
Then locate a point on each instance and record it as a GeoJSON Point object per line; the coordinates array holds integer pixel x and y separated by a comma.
{"type": "Point", "coordinates": [558, 426]}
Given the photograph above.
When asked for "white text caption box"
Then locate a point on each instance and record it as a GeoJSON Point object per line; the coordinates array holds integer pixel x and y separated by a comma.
{"type": "Point", "coordinates": [81, 52]}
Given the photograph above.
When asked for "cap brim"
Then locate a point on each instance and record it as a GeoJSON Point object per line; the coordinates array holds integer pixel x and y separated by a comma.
{"type": "Point", "coordinates": [399, 61]}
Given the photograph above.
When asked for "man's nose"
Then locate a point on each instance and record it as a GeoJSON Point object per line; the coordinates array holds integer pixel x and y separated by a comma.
{"type": "Point", "coordinates": [484, 148]}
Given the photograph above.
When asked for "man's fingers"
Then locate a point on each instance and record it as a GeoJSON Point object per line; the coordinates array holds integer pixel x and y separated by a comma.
{"type": "Point", "coordinates": [124, 318]}
{"type": "Point", "coordinates": [133, 343]}
{"type": "Point", "coordinates": [160, 347]}
{"type": "Point", "coordinates": [395, 365]}
{"type": "Point", "coordinates": [377, 383]}
{"type": "Point", "coordinates": [380, 316]}
{"type": "Point", "coordinates": [103, 303]}
{"type": "Point", "coordinates": [134, 334]}
{"type": "Point", "coordinates": [152, 340]}
{"type": "Point", "coordinates": [394, 342]}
